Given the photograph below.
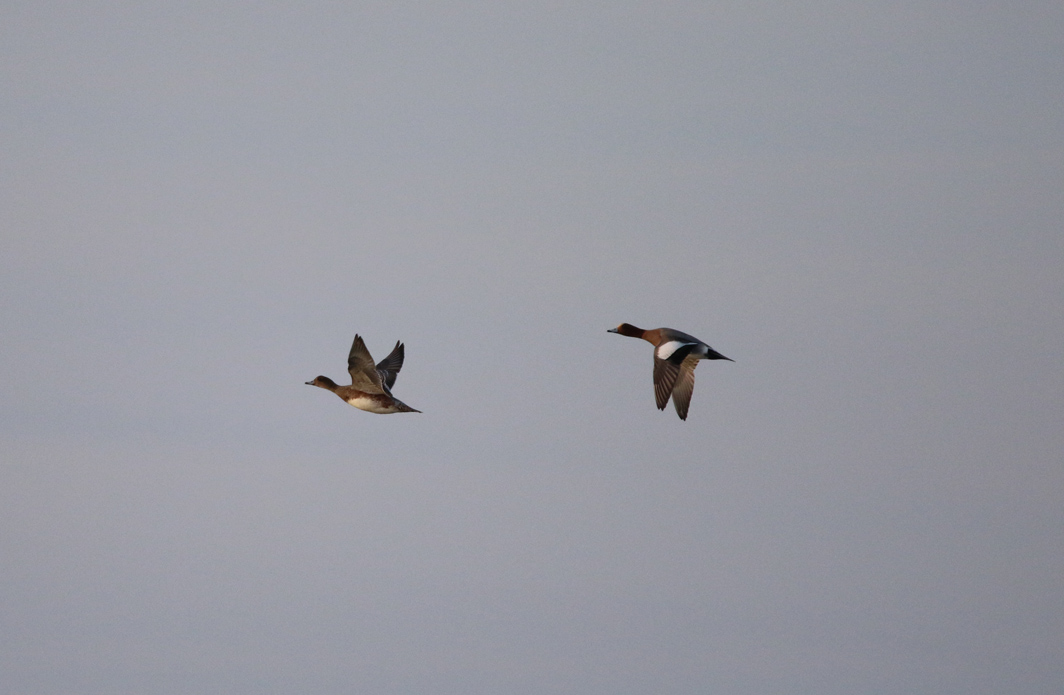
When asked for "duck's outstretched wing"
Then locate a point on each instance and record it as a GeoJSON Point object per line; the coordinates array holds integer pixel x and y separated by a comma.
{"type": "Point", "coordinates": [667, 367]}
{"type": "Point", "coordinates": [364, 376]}
{"type": "Point", "coordinates": [685, 386]}
{"type": "Point", "coordinates": [389, 367]}
{"type": "Point", "coordinates": [665, 374]}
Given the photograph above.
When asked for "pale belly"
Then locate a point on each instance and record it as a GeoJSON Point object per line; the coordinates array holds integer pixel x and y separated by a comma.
{"type": "Point", "coordinates": [371, 405]}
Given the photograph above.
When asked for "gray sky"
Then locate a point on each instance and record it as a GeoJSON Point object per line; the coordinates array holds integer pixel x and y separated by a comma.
{"type": "Point", "coordinates": [860, 203]}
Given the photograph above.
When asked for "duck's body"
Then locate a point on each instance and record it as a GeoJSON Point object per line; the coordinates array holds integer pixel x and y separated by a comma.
{"type": "Point", "coordinates": [676, 354]}
{"type": "Point", "coordinates": [381, 403]}
{"type": "Point", "coordinates": [370, 388]}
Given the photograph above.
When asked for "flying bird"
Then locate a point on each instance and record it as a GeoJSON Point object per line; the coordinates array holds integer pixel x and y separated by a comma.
{"type": "Point", "coordinates": [370, 388]}
{"type": "Point", "coordinates": [676, 355]}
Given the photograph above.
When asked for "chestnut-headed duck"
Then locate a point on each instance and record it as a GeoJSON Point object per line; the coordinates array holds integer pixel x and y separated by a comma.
{"type": "Point", "coordinates": [676, 355]}
{"type": "Point", "coordinates": [370, 388]}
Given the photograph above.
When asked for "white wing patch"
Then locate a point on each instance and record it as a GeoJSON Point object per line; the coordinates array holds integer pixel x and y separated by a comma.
{"type": "Point", "coordinates": [665, 350]}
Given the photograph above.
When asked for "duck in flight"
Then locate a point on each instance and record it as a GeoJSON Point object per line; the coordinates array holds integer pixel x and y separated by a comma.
{"type": "Point", "coordinates": [676, 355]}
{"type": "Point", "coordinates": [370, 388]}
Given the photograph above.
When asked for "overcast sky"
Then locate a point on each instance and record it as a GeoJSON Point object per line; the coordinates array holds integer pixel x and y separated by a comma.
{"type": "Point", "coordinates": [861, 203]}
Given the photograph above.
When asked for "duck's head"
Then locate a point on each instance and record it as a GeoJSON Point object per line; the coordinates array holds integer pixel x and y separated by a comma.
{"type": "Point", "coordinates": [628, 330]}
{"type": "Point", "coordinates": [323, 382]}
